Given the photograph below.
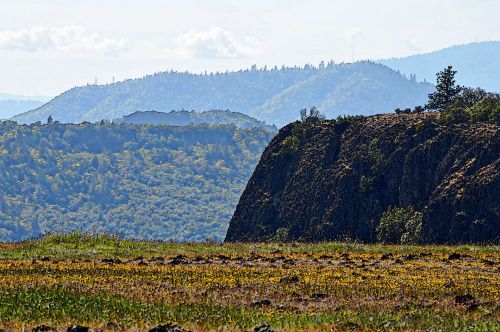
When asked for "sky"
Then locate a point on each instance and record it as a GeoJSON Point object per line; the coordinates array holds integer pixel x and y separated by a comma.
{"type": "Point", "coordinates": [50, 46]}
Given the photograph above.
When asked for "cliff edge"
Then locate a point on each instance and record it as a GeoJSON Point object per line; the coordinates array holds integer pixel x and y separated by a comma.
{"type": "Point", "coordinates": [333, 180]}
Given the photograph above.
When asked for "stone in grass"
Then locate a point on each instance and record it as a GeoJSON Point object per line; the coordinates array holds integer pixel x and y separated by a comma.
{"type": "Point", "coordinates": [409, 256]}
{"type": "Point", "coordinates": [386, 256]}
{"type": "Point", "coordinates": [454, 256]}
{"type": "Point", "coordinates": [169, 327]}
{"type": "Point", "coordinates": [464, 299]}
{"type": "Point", "coordinates": [43, 328]}
{"type": "Point", "coordinates": [113, 326]}
{"type": "Point", "coordinates": [289, 279]}
{"type": "Point", "coordinates": [263, 328]}
{"type": "Point", "coordinates": [261, 303]}
{"type": "Point", "coordinates": [77, 328]}
{"type": "Point", "coordinates": [179, 259]}
{"type": "Point", "coordinates": [319, 296]}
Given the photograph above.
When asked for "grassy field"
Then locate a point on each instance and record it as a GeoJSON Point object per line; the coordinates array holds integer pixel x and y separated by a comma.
{"type": "Point", "coordinates": [111, 284]}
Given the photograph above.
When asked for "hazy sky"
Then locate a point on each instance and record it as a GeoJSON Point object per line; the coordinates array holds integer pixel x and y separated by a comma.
{"type": "Point", "coordinates": [48, 46]}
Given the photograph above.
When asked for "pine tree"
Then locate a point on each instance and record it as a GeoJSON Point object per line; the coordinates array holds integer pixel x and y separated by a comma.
{"type": "Point", "coordinates": [446, 90]}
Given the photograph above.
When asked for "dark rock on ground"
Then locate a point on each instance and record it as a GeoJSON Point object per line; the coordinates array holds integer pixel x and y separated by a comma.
{"type": "Point", "coordinates": [43, 328]}
{"type": "Point", "coordinates": [168, 328]}
{"type": "Point", "coordinates": [113, 326]}
{"type": "Point", "coordinates": [449, 284]}
{"type": "Point", "coordinates": [488, 262]}
{"type": "Point", "coordinates": [261, 303]}
{"type": "Point", "coordinates": [289, 279]}
{"type": "Point", "coordinates": [111, 261]}
{"type": "Point", "coordinates": [78, 328]}
{"type": "Point", "coordinates": [454, 256]}
{"type": "Point", "coordinates": [319, 296]}
{"type": "Point", "coordinates": [263, 328]}
{"type": "Point", "coordinates": [325, 180]}
{"type": "Point", "coordinates": [464, 299]}
{"type": "Point", "coordinates": [179, 259]}
{"type": "Point", "coordinates": [386, 256]}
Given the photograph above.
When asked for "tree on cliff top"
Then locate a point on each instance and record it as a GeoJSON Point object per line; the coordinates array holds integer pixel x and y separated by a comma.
{"type": "Point", "coordinates": [446, 90]}
{"type": "Point", "coordinates": [314, 114]}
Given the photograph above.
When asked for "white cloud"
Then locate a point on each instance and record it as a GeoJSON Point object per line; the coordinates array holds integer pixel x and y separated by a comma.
{"type": "Point", "coordinates": [215, 43]}
{"type": "Point", "coordinates": [413, 46]}
{"type": "Point", "coordinates": [62, 39]}
{"type": "Point", "coordinates": [351, 34]}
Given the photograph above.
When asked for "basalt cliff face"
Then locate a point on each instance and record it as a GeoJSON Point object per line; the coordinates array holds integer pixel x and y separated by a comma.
{"type": "Point", "coordinates": [327, 180]}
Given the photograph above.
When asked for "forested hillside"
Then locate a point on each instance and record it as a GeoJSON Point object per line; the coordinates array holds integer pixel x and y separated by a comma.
{"type": "Point", "coordinates": [273, 95]}
{"type": "Point", "coordinates": [150, 182]}
{"type": "Point", "coordinates": [183, 118]}
{"type": "Point", "coordinates": [478, 64]}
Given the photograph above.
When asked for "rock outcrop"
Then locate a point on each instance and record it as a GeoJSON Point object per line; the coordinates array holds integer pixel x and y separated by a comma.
{"type": "Point", "coordinates": [333, 180]}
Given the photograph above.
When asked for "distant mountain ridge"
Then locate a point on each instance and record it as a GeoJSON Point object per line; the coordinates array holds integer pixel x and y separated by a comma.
{"type": "Point", "coordinates": [183, 118]}
{"type": "Point", "coordinates": [12, 105]}
{"type": "Point", "coordinates": [9, 96]}
{"type": "Point", "coordinates": [274, 96]}
{"type": "Point", "coordinates": [10, 108]}
{"type": "Point", "coordinates": [478, 64]}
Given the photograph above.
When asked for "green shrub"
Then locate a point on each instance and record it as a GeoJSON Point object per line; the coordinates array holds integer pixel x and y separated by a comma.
{"type": "Point", "coordinates": [345, 120]}
{"type": "Point", "coordinates": [365, 183]}
{"type": "Point", "coordinates": [281, 235]}
{"type": "Point", "coordinates": [400, 225]}
{"type": "Point", "coordinates": [454, 115]}
{"type": "Point", "coordinates": [375, 155]}
{"type": "Point", "coordinates": [486, 110]}
{"type": "Point", "coordinates": [290, 145]}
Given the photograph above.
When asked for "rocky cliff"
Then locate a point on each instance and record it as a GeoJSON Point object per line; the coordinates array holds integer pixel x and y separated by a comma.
{"type": "Point", "coordinates": [333, 180]}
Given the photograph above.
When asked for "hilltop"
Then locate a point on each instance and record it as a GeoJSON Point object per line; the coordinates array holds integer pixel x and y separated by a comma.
{"type": "Point", "coordinates": [270, 95]}
{"type": "Point", "coordinates": [478, 64]}
{"type": "Point", "coordinates": [184, 118]}
{"type": "Point", "coordinates": [334, 180]}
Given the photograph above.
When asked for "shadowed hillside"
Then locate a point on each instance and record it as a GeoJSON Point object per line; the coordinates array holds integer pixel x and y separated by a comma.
{"type": "Point", "coordinates": [332, 180]}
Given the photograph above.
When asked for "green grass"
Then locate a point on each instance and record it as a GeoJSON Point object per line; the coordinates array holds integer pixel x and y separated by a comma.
{"type": "Point", "coordinates": [84, 246]}
{"type": "Point", "coordinates": [59, 307]}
